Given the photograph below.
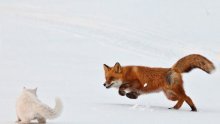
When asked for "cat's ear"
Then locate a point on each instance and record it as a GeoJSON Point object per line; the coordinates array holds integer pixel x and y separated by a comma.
{"type": "Point", "coordinates": [35, 90]}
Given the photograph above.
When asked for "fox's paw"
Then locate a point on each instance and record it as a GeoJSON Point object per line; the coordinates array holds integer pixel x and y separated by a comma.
{"type": "Point", "coordinates": [194, 109]}
{"type": "Point", "coordinates": [121, 92]}
{"type": "Point", "coordinates": [172, 108]}
{"type": "Point", "coordinates": [132, 95]}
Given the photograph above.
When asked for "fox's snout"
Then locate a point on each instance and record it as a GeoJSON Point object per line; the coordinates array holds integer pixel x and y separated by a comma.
{"type": "Point", "coordinates": [107, 85]}
{"type": "Point", "coordinates": [116, 83]}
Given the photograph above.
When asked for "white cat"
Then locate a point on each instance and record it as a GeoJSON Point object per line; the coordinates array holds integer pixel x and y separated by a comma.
{"type": "Point", "coordinates": [29, 107]}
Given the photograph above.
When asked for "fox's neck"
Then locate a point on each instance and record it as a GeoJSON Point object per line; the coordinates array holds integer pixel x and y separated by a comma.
{"type": "Point", "coordinates": [129, 73]}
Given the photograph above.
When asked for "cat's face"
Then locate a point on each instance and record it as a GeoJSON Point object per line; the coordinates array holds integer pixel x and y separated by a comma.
{"type": "Point", "coordinates": [32, 91]}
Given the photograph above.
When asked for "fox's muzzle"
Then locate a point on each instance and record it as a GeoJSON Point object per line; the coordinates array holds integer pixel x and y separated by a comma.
{"type": "Point", "coordinates": [107, 85]}
{"type": "Point", "coordinates": [115, 83]}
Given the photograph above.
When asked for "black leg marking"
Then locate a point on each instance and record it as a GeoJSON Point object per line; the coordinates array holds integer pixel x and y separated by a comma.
{"type": "Point", "coordinates": [194, 109]}
{"type": "Point", "coordinates": [121, 92]}
{"type": "Point", "coordinates": [132, 95]}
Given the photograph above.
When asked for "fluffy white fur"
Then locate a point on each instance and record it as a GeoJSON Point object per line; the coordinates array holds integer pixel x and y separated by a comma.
{"type": "Point", "coordinates": [29, 107]}
{"type": "Point", "coordinates": [116, 83]}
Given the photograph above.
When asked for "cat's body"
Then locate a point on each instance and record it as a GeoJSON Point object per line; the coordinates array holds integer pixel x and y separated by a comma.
{"type": "Point", "coordinates": [29, 107]}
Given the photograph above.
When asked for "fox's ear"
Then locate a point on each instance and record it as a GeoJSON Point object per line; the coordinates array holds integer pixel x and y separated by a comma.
{"type": "Point", "coordinates": [117, 68]}
{"type": "Point", "coordinates": [106, 68]}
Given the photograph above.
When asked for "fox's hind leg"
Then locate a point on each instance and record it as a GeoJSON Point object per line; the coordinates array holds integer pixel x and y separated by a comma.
{"type": "Point", "coordinates": [180, 93]}
{"type": "Point", "coordinates": [179, 103]}
{"type": "Point", "coordinates": [190, 103]}
{"type": "Point", "coordinates": [171, 95]}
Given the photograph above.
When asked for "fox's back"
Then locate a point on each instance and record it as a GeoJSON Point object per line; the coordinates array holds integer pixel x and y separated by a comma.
{"type": "Point", "coordinates": [148, 74]}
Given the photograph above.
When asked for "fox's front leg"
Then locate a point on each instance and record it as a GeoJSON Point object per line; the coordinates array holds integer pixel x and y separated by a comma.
{"type": "Point", "coordinates": [132, 95]}
{"type": "Point", "coordinates": [133, 87]}
{"type": "Point", "coordinates": [134, 90]}
{"type": "Point", "coordinates": [122, 88]}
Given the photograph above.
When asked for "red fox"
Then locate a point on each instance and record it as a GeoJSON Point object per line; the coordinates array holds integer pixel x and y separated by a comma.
{"type": "Point", "coordinates": [133, 81]}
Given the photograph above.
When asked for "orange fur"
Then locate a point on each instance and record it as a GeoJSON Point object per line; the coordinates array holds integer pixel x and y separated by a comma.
{"type": "Point", "coordinates": [140, 80]}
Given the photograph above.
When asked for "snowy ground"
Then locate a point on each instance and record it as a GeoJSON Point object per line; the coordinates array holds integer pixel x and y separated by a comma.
{"type": "Point", "coordinates": [60, 46]}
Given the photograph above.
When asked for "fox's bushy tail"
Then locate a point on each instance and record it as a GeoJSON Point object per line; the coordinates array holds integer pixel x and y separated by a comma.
{"type": "Point", "coordinates": [187, 63]}
{"type": "Point", "coordinates": [50, 113]}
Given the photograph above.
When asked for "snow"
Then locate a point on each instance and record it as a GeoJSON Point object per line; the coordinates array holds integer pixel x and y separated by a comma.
{"type": "Point", "coordinates": [60, 47]}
